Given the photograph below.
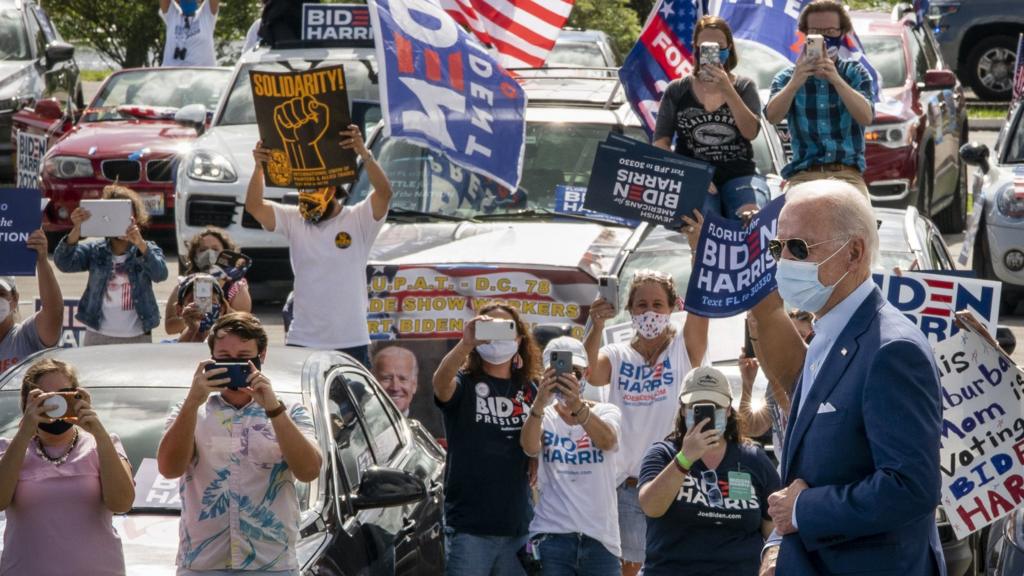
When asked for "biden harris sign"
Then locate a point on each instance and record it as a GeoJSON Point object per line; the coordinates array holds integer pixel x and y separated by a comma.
{"type": "Point", "coordinates": [442, 90]}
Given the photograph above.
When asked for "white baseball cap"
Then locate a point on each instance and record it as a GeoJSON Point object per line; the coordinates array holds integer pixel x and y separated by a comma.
{"type": "Point", "coordinates": [707, 384]}
{"type": "Point", "coordinates": [8, 284]}
{"type": "Point", "coordinates": [567, 344]}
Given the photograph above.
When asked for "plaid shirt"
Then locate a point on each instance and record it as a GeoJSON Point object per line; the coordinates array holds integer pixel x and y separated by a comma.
{"type": "Point", "coordinates": [821, 129]}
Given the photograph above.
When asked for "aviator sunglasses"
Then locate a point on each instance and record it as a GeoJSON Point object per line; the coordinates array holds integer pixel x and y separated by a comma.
{"type": "Point", "coordinates": [799, 248]}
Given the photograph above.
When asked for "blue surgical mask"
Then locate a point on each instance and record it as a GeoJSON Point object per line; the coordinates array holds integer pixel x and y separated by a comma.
{"type": "Point", "coordinates": [723, 55]}
{"type": "Point", "coordinates": [799, 285]}
{"type": "Point", "coordinates": [832, 46]}
{"type": "Point", "coordinates": [188, 7]}
{"type": "Point", "coordinates": [210, 318]}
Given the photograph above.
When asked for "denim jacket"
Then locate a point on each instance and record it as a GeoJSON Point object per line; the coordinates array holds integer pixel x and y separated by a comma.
{"type": "Point", "coordinates": [97, 257]}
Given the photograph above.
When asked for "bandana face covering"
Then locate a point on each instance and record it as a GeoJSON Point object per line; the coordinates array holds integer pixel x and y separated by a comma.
{"type": "Point", "coordinates": [313, 205]}
{"type": "Point", "coordinates": [650, 324]}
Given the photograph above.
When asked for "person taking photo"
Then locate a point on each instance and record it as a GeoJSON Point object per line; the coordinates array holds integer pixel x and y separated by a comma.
{"type": "Point", "coordinates": [42, 329]}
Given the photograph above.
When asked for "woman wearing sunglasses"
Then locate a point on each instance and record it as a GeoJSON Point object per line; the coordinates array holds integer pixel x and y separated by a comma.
{"type": "Point", "coordinates": [705, 488]}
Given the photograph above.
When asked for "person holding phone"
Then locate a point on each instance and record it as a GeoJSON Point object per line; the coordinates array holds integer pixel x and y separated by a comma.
{"type": "Point", "coordinates": [705, 488]}
{"type": "Point", "coordinates": [62, 478]}
{"type": "Point", "coordinates": [713, 115]}
{"type": "Point", "coordinates": [119, 305]}
{"type": "Point", "coordinates": [200, 302]}
{"type": "Point", "coordinates": [484, 389]}
{"type": "Point", "coordinates": [40, 330]}
{"type": "Point", "coordinates": [204, 250]}
{"type": "Point", "coordinates": [575, 442]}
{"type": "Point", "coordinates": [238, 440]}
{"type": "Point", "coordinates": [826, 101]}
{"type": "Point", "coordinates": [644, 376]}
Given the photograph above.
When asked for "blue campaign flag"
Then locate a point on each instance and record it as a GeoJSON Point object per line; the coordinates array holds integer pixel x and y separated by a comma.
{"type": "Point", "coordinates": [663, 53]}
{"type": "Point", "coordinates": [733, 270]}
{"type": "Point", "coordinates": [774, 25]}
{"type": "Point", "coordinates": [442, 90]}
{"type": "Point", "coordinates": [20, 215]}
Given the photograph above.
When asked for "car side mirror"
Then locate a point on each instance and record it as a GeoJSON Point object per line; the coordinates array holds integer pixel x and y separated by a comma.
{"type": "Point", "coordinates": [939, 80]}
{"type": "Point", "coordinates": [192, 116]}
{"type": "Point", "coordinates": [1007, 341]}
{"type": "Point", "coordinates": [387, 488]}
{"type": "Point", "coordinates": [49, 109]}
{"type": "Point", "coordinates": [58, 51]}
{"type": "Point", "coordinates": [975, 154]}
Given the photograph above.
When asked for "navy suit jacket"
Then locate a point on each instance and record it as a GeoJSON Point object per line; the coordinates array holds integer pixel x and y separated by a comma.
{"type": "Point", "coordinates": [872, 464]}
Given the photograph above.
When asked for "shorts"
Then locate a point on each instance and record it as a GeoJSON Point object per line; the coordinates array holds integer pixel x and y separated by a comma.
{"type": "Point", "coordinates": [736, 193]}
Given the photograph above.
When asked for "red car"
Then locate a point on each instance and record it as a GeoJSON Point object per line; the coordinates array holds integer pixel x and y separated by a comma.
{"type": "Point", "coordinates": [128, 134]}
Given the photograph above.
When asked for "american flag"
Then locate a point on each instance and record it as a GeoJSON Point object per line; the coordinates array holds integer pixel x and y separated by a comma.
{"type": "Point", "coordinates": [522, 32]}
{"type": "Point", "coordinates": [1018, 74]}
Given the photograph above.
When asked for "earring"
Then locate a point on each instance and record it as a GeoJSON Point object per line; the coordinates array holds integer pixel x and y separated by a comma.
{"type": "Point", "coordinates": [517, 361]}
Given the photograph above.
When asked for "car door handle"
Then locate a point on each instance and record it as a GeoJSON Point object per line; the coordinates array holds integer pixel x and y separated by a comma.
{"type": "Point", "coordinates": [435, 488]}
{"type": "Point", "coordinates": [408, 527]}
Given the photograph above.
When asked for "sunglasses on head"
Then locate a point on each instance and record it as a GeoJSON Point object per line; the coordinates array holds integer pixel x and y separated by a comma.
{"type": "Point", "coordinates": [799, 248]}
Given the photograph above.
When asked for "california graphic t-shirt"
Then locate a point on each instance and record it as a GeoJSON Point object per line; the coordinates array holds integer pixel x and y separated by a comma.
{"type": "Point", "coordinates": [487, 489]}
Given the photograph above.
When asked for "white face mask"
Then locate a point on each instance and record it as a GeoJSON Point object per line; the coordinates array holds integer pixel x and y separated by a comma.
{"type": "Point", "coordinates": [206, 259]}
{"type": "Point", "coordinates": [5, 309]}
{"type": "Point", "coordinates": [651, 324]}
{"type": "Point", "coordinates": [799, 285]}
{"type": "Point", "coordinates": [499, 351]}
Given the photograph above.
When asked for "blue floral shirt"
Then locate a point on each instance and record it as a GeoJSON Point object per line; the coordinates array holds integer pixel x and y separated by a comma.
{"type": "Point", "coordinates": [239, 509]}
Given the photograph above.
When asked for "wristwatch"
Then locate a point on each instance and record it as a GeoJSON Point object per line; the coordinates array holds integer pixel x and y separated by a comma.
{"type": "Point", "coordinates": [277, 411]}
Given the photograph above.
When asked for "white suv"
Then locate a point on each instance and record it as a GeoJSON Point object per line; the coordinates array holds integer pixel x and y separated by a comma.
{"type": "Point", "coordinates": [213, 175]}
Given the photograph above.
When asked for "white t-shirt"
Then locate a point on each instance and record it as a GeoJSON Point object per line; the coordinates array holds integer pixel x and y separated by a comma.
{"type": "Point", "coordinates": [120, 319]}
{"type": "Point", "coordinates": [648, 397]}
{"type": "Point", "coordinates": [576, 480]}
{"type": "Point", "coordinates": [252, 37]}
{"type": "Point", "coordinates": [329, 262]}
{"type": "Point", "coordinates": [195, 39]}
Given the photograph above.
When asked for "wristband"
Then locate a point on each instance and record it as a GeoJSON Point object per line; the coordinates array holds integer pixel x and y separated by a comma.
{"type": "Point", "coordinates": [276, 411]}
{"type": "Point", "coordinates": [683, 462]}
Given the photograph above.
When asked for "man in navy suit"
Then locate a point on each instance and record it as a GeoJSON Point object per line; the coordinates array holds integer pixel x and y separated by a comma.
{"type": "Point", "coordinates": [861, 458]}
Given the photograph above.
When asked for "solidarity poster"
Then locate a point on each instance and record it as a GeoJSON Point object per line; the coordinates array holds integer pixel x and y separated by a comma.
{"type": "Point", "coordinates": [637, 181]}
{"type": "Point", "coordinates": [19, 217]}
{"type": "Point", "coordinates": [981, 457]}
{"type": "Point", "coordinates": [733, 270]}
{"type": "Point", "coordinates": [300, 117]}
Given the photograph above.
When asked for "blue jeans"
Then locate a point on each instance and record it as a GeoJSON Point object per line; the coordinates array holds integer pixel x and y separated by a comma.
{"type": "Point", "coordinates": [736, 193]}
{"type": "Point", "coordinates": [473, 555]}
{"type": "Point", "coordinates": [632, 524]}
{"type": "Point", "coordinates": [575, 555]}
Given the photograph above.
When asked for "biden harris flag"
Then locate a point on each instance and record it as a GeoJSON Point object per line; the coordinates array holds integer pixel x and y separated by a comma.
{"type": "Point", "coordinates": [442, 90]}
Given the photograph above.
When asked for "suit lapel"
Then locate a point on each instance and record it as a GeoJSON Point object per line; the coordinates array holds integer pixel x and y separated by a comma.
{"type": "Point", "coordinates": [787, 445]}
{"type": "Point", "coordinates": [831, 372]}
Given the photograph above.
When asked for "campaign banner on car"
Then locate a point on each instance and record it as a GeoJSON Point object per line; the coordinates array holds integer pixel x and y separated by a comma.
{"type": "Point", "coordinates": [442, 90]}
{"type": "Point", "coordinates": [300, 117]}
{"type": "Point", "coordinates": [31, 149]}
{"type": "Point", "coordinates": [569, 200]}
{"type": "Point", "coordinates": [981, 454]}
{"type": "Point", "coordinates": [349, 23]}
{"type": "Point", "coordinates": [930, 300]}
{"type": "Point", "coordinates": [72, 331]}
{"type": "Point", "coordinates": [733, 270]}
{"type": "Point", "coordinates": [152, 490]}
{"type": "Point", "coordinates": [19, 217]}
{"type": "Point", "coordinates": [642, 182]}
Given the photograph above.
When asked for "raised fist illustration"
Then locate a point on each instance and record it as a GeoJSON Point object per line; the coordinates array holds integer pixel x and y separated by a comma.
{"type": "Point", "coordinates": [302, 122]}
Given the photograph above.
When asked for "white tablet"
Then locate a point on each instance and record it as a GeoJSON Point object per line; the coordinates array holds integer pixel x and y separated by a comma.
{"type": "Point", "coordinates": [109, 218]}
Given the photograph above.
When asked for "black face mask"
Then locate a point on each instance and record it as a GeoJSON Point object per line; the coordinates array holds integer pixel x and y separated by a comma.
{"type": "Point", "coordinates": [56, 428]}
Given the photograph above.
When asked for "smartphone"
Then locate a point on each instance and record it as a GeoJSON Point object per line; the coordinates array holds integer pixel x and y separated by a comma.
{"type": "Point", "coordinates": [238, 372]}
{"type": "Point", "coordinates": [815, 46]}
{"type": "Point", "coordinates": [702, 412]}
{"type": "Point", "coordinates": [496, 330]}
{"type": "Point", "coordinates": [62, 406]}
{"type": "Point", "coordinates": [748, 345]}
{"type": "Point", "coordinates": [608, 288]}
{"type": "Point", "coordinates": [561, 361]}
{"type": "Point", "coordinates": [709, 56]}
{"type": "Point", "coordinates": [202, 294]}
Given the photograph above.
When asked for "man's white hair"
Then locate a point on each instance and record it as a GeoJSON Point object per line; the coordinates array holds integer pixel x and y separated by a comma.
{"type": "Point", "coordinates": [848, 211]}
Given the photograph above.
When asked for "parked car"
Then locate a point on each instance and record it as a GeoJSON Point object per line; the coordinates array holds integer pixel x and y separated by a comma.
{"type": "Point", "coordinates": [129, 134]}
{"type": "Point", "coordinates": [375, 509]}
{"type": "Point", "coordinates": [37, 71]}
{"type": "Point", "coordinates": [1004, 552]}
{"type": "Point", "coordinates": [919, 124]}
{"type": "Point", "coordinates": [909, 241]}
{"type": "Point", "coordinates": [995, 235]}
{"type": "Point", "coordinates": [582, 49]}
{"type": "Point", "coordinates": [979, 42]}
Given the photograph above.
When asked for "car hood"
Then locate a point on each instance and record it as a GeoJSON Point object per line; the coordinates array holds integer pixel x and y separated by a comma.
{"type": "Point", "coordinates": [584, 246]}
{"type": "Point", "coordinates": [11, 72]}
{"type": "Point", "coordinates": [123, 137]}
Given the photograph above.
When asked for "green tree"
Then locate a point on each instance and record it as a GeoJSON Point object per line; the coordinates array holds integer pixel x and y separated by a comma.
{"type": "Point", "coordinates": [131, 32]}
{"type": "Point", "coordinates": [615, 17]}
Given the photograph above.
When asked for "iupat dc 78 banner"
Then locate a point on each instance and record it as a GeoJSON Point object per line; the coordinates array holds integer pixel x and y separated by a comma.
{"type": "Point", "coordinates": [300, 117]}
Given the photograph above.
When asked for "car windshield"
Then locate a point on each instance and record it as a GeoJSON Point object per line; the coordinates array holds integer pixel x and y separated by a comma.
{"type": "Point", "coordinates": [1013, 141]}
{"type": "Point", "coordinates": [886, 55]}
{"type": "Point", "coordinates": [557, 153]}
{"type": "Point", "coordinates": [360, 76]}
{"type": "Point", "coordinates": [758, 62]}
{"type": "Point", "coordinates": [13, 37]}
{"type": "Point", "coordinates": [577, 54]}
{"type": "Point", "coordinates": [159, 87]}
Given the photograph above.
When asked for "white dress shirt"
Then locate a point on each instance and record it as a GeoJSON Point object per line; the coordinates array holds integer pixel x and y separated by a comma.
{"type": "Point", "coordinates": [826, 331]}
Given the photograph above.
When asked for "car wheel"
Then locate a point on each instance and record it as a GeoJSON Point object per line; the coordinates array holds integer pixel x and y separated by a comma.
{"type": "Point", "coordinates": [989, 67]}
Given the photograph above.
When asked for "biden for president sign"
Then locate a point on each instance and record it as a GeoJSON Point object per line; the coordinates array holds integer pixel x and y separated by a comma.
{"type": "Point", "coordinates": [19, 217]}
{"type": "Point", "coordinates": [344, 23]}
